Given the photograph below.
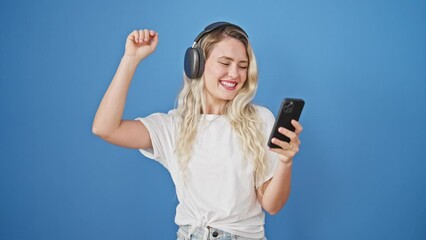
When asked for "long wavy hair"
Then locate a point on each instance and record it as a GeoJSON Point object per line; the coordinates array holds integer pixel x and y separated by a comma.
{"type": "Point", "coordinates": [242, 114]}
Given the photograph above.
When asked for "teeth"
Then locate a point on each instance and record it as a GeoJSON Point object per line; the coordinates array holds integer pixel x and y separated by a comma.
{"type": "Point", "coordinates": [228, 84]}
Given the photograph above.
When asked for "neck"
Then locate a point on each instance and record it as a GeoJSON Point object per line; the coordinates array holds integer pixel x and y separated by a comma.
{"type": "Point", "coordinates": [213, 105]}
{"type": "Point", "coordinates": [213, 109]}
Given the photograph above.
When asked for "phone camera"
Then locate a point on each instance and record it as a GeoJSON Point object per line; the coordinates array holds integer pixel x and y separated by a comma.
{"type": "Point", "coordinates": [288, 107]}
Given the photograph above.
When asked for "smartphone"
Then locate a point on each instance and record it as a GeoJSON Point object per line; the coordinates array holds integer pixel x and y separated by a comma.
{"type": "Point", "coordinates": [291, 108]}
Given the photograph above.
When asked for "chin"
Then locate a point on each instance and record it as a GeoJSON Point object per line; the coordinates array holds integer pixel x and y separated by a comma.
{"type": "Point", "coordinates": [230, 96]}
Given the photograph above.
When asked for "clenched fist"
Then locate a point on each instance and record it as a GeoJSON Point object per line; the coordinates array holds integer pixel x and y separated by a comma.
{"type": "Point", "coordinates": [141, 43]}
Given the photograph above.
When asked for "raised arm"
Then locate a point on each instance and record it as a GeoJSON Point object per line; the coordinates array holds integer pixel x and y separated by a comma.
{"type": "Point", "coordinates": [108, 123]}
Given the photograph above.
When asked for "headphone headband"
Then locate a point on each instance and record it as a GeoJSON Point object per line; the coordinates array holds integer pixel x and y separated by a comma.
{"type": "Point", "coordinates": [214, 26]}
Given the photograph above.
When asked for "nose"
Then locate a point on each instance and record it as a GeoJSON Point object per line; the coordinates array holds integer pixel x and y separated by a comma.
{"type": "Point", "coordinates": [233, 72]}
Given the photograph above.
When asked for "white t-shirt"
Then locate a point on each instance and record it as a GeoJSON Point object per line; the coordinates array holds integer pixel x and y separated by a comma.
{"type": "Point", "coordinates": [219, 188]}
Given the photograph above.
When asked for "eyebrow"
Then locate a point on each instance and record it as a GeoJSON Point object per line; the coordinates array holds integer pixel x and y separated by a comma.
{"type": "Point", "coordinates": [231, 59]}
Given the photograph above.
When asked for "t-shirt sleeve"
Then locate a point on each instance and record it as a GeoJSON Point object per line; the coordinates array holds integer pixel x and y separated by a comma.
{"type": "Point", "coordinates": [272, 158]}
{"type": "Point", "coordinates": [160, 128]}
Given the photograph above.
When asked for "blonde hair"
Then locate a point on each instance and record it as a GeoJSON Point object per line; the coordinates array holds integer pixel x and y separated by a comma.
{"type": "Point", "coordinates": [241, 113]}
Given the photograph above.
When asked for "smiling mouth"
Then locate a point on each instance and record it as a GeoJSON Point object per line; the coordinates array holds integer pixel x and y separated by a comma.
{"type": "Point", "coordinates": [228, 85]}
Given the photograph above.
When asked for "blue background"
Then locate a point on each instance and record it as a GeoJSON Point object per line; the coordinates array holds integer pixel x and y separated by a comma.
{"type": "Point", "coordinates": [360, 66]}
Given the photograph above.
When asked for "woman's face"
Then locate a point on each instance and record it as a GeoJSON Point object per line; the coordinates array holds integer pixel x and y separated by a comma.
{"type": "Point", "coordinates": [225, 71]}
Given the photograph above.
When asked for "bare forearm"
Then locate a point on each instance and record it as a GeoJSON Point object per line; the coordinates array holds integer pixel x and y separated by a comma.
{"type": "Point", "coordinates": [278, 190]}
{"type": "Point", "coordinates": [109, 114]}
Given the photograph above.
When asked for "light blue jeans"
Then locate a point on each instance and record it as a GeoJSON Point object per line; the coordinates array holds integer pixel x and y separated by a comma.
{"type": "Point", "coordinates": [214, 234]}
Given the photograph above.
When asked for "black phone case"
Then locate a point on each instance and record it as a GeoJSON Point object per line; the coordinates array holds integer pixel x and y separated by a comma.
{"type": "Point", "coordinates": [291, 108]}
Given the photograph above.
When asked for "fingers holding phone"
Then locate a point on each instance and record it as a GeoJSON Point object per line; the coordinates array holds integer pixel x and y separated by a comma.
{"type": "Point", "coordinates": [297, 127]}
{"type": "Point", "coordinates": [287, 150]}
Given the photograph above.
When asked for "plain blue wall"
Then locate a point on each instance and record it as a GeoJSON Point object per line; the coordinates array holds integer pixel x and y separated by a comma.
{"type": "Point", "coordinates": [360, 66]}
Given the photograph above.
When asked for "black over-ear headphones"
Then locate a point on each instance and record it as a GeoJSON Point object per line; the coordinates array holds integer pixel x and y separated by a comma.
{"type": "Point", "coordinates": [194, 56]}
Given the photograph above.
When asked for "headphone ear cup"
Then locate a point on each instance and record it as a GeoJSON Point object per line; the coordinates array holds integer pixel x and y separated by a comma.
{"type": "Point", "coordinates": [201, 62]}
{"type": "Point", "coordinates": [194, 63]}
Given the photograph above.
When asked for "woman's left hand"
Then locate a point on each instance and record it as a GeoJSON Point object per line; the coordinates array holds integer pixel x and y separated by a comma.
{"type": "Point", "coordinates": [288, 150]}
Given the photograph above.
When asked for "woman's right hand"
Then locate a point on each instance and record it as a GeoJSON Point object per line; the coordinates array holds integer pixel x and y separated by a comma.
{"type": "Point", "coordinates": [141, 43]}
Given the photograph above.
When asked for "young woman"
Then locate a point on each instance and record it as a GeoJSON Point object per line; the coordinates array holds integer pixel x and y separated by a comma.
{"type": "Point", "coordinates": [214, 142]}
